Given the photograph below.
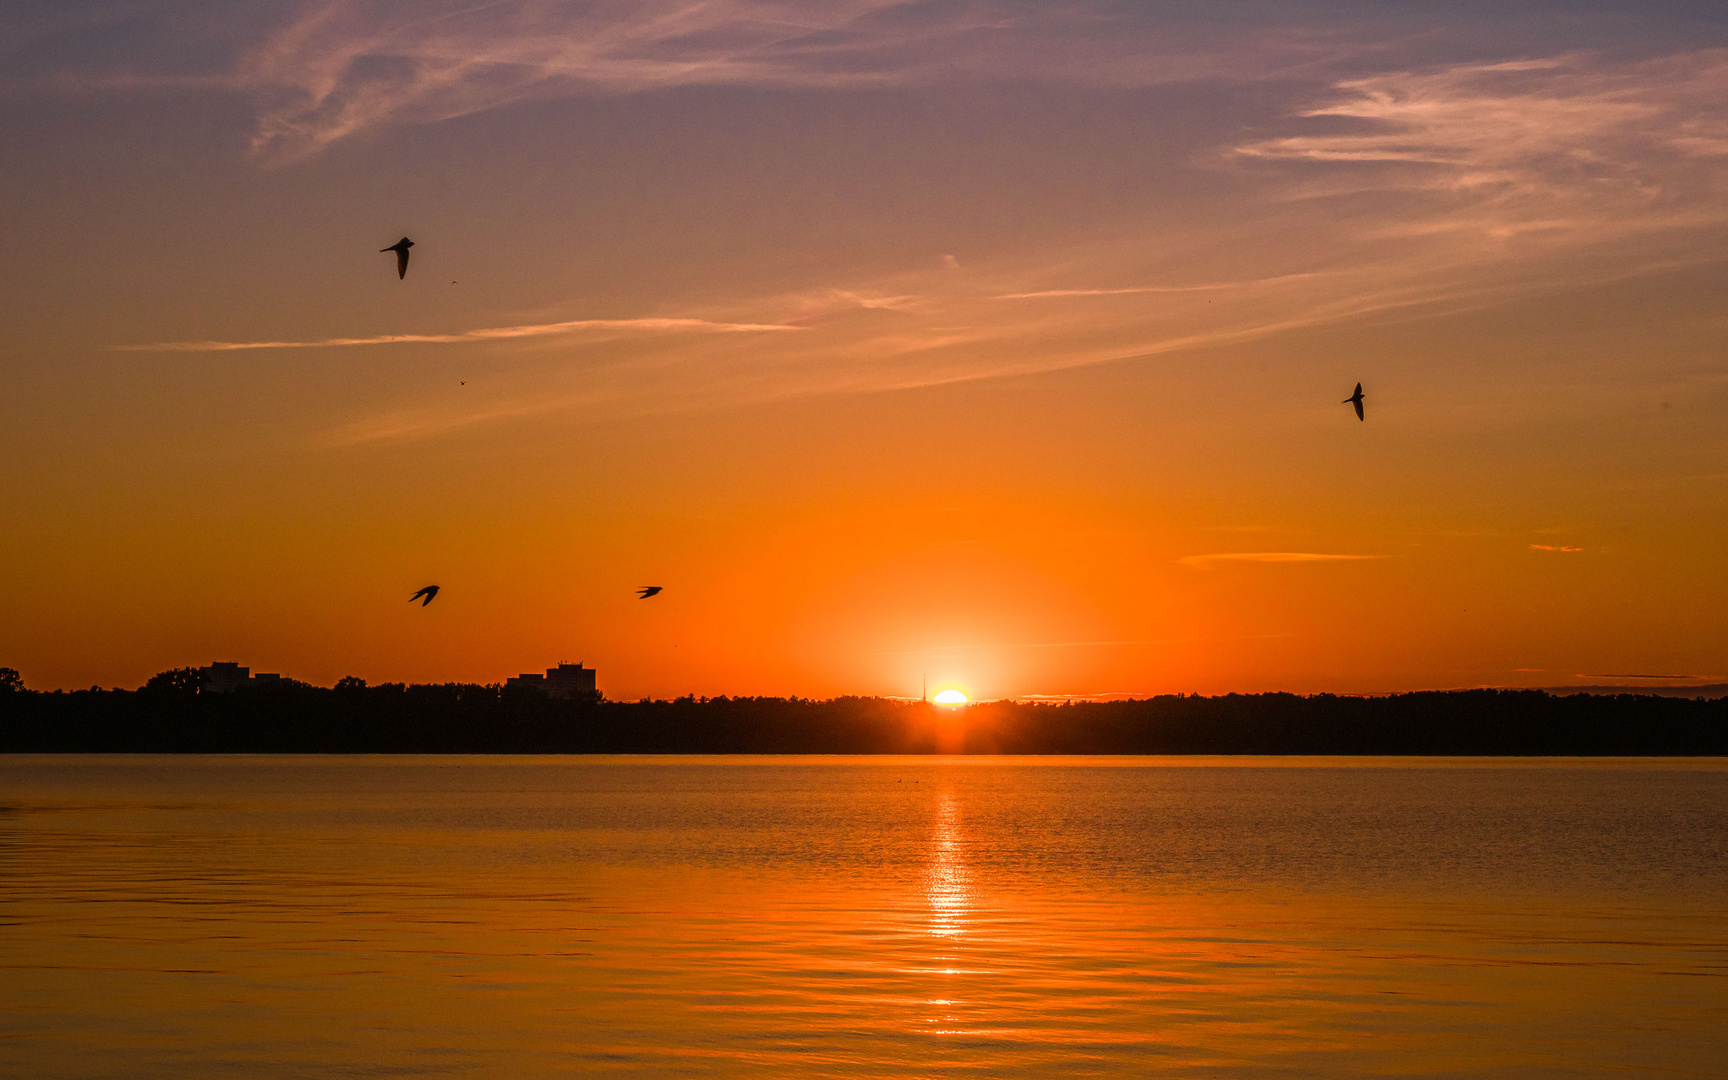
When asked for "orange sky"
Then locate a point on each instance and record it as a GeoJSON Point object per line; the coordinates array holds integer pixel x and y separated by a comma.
{"type": "Point", "coordinates": [997, 344]}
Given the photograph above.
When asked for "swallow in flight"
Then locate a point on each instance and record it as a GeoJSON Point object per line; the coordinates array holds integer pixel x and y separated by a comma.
{"type": "Point", "coordinates": [646, 591]}
{"type": "Point", "coordinates": [1356, 400]}
{"type": "Point", "coordinates": [400, 247]}
{"type": "Point", "coordinates": [428, 592]}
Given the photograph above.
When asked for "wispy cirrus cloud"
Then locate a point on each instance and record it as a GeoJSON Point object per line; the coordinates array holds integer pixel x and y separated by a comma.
{"type": "Point", "coordinates": [320, 71]}
{"type": "Point", "coordinates": [1572, 145]}
{"type": "Point", "coordinates": [1270, 557]}
{"type": "Point", "coordinates": [347, 65]}
{"type": "Point", "coordinates": [494, 333]}
{"type": "Point", "coordinates": [1427, 190]}
{"type": "Point", "coordinates": [1553, 547]}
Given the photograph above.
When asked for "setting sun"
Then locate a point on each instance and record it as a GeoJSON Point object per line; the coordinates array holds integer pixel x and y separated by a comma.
{"type": "Point", "coordinates": [950, 697]}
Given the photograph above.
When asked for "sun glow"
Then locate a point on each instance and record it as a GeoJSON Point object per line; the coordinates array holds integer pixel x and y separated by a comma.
{"type": "Point", "coordinates": [950, 697]}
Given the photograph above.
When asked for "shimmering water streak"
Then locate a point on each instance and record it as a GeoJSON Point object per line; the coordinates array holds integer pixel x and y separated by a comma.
{"type": "Point", "coordinates": [950, 882]}
{"type": "Point", "coordinates": [860, 917]}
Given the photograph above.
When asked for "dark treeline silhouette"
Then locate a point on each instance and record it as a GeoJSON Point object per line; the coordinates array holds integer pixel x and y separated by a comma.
{"type": "Point", "coordinates": [171, 715]}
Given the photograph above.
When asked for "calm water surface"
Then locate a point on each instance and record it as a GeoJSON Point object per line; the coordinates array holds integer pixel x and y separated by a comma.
{"type": "Point", "coordinates": [851, 917]}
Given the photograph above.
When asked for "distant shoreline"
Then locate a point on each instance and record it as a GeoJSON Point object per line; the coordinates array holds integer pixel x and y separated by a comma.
{"type": "Point", "coordinates": [457, 718]}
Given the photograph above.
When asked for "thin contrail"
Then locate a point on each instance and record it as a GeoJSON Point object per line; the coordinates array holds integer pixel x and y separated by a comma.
{"type": "Point", "coordinates": [1135, 290]}
{"type": "Point", "coordinates": [495, 333]}
{"type": "Point", "coordinates": [1271, 557]}
{"type": "Point", "coordinates": [1071, 644]}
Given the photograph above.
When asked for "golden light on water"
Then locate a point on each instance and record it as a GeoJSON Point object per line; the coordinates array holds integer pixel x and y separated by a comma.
{"type": "Point", "coordinates": [950, 697]}
{"type": "Point", "coordinates": [948, 881]}
{"type": "Point", "coordinates": [1032, 918]}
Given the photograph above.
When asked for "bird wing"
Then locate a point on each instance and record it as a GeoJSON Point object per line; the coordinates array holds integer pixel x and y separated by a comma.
{"type": "Point", "coordinates": [648, 590]}
{"type": "Point", "coordinates": [1358, 404]}
{"type": "Point", "coordinates": [401, 263]}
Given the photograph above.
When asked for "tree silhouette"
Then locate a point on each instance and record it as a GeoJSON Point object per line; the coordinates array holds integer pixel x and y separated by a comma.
{"type": "Point", "coordinates": [169, 715]}
{"type": "Point", "coordinates": [175, 682]}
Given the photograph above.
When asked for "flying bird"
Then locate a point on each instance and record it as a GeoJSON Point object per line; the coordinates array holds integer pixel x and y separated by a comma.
{"type": "Point", "coordinates": [428, 592]}
{"type": "Point", "coordinates": [646, 591]}
{"type": "Point", "coordinates": [400, 247]}
{"type": "Point", "coordinates": [1356, 400]}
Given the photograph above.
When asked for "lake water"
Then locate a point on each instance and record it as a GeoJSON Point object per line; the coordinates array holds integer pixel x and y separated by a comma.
{"type": "Point", "coordinates": [194, 917]}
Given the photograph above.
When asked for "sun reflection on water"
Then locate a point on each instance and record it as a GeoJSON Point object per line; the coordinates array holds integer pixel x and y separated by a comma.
{"type": "Point", "coordinates": [948, 882]}
{"type": "Point", "coordinates": [948, 891]}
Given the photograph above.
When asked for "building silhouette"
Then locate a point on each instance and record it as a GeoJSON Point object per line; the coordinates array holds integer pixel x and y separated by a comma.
{"type": "Point", "coordinates": [565, 680]}
{"type": "Point", "coordinates": [225, 676]}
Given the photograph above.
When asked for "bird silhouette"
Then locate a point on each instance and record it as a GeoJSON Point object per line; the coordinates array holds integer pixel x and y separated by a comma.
{"type": "Point", "coordinates": [428, 592]}
{"type": "Point", "coordinates": [646, 591]}
{"type": "Point", "coordinates": [400, 247]}
{"type": "Point", "coordinates": [1356, 400]}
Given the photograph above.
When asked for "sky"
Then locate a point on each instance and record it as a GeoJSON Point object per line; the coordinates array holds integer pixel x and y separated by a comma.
{"type": "Point", "coordinates": [990, 345]}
